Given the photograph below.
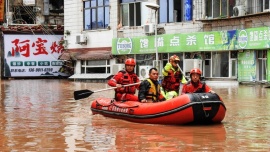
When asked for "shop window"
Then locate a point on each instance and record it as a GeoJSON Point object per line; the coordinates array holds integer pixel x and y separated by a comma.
{"type": "Point", "coordinates": [145, 59]}
{"type": "Point", "coordinates": [187, 55]}
{"type": "Point", "coordinates": [262, 53]}
{"type": "Point", "coordinates": [207, 55]}
{"type": "Point", "coordinates": [220, 66]}
{"type": "Point", "coordinates": [219, 8]}
{"type": "Point", "coordinates": [175, 11]}
{"type": "Point", "coordinates": [23, 15]}
{"type": "Point", "coordinates": [207, 63]}
{"type": "Point", "coordinates": [130, 13]}
{"type": "Point", "coordinates": [256, 6]}
{"type": "Point", "coordinates": [96, 14]}
{"type": "Point", "coordinates": [56, 6]}
{"type": "Point", "coordinates": [95, 66]}
{"type": "Point", "coordinates": [266, 6]}
{"type": "Point", "coordinates": [164, 58]}
{"type": "Point", "coordinates": [262, 65]}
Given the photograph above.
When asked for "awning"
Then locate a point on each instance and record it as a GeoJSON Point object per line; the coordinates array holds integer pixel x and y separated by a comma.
{"type": "Point", "coordinates": [86, 54]}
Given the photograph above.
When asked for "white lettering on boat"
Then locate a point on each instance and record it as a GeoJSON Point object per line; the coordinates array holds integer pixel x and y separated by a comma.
{"type": "Point", "coordinates": [118, 109]}
{"type": "Point", "coordinates": [205, 97]}
{"type": "Point", "coordinates": [104, 108]}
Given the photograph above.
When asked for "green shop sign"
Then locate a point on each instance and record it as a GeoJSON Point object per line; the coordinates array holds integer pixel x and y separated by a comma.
{"type": "Point", "coordinates": [253, 38]}
{"type": "Point", "coordinates": [192, 42]}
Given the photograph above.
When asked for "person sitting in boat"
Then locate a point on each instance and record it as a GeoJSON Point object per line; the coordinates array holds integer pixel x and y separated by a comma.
{"type": "Point", "coordinates": [195, 85]}
{"type": "Point", "coordinates": [172, 78]}
{"type": "Point", "coordinates": [125, 77]}
{"type": "Point", "coordinates": [149, 90]}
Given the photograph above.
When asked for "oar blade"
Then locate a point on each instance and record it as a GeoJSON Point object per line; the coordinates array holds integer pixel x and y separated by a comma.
{"type": "Point", "coordinates": [80, 94]}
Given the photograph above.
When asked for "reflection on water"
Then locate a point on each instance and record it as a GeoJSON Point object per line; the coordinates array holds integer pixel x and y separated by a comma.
{"type": "Point", "coordinates": [41, 115]}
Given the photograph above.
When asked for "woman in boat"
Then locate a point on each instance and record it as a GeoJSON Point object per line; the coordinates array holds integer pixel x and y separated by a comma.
{"type": "Point", "coordinates": [150, 89]}
{"type": "Point", "coordinates": [172, 78]}
{"type": "Point", "coordinates": [125, 77]}
{"type": "Point", "coordinates": [195, 85]}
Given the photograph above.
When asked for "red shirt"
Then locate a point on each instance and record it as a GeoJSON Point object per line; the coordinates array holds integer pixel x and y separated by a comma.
{"type": "Point", "coordinates": [190, 88]}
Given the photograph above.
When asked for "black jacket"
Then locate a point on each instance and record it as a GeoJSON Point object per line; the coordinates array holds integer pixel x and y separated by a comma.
{"type": "Point", "coordinates": [144, 88]}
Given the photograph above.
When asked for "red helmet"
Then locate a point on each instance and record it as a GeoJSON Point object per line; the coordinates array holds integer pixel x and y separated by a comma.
{"type": "Point", "coordinates": [195, 70]}
{"type": "Point", "coordinates": [130, 61]}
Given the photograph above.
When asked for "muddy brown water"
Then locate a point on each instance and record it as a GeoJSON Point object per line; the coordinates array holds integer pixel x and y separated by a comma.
{"type": "Point", "coordinates": [41, 115]}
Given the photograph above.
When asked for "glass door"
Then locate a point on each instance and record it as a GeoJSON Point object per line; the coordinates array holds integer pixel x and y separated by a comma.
{"type": "Point", "coordinates": [262, 65]}
{"type": "Point", "coordinates": [233, 64]}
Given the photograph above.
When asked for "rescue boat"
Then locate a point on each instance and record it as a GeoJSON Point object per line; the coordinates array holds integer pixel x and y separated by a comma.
{"type": "Point", "coordinates": [195, 108]}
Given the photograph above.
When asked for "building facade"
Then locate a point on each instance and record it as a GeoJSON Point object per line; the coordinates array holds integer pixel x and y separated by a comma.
{"type": "Point", "coordinates": [227, 39]}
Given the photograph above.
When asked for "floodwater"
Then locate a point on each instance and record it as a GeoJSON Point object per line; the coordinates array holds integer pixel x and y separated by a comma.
{"type": "Point", "coordinates": [41, 115]}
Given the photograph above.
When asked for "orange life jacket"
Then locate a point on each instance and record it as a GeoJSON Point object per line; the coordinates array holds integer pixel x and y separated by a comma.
{"type": "Point", "coordinates": [127, 79]}
{"type": "Point", "coordinates": [172, 81]}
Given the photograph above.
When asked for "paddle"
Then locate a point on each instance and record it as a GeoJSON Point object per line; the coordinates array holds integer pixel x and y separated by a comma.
{"type": "Point", "coordinates": [181, 71]}
{"type": "Point", "coordinates": [80, 94]}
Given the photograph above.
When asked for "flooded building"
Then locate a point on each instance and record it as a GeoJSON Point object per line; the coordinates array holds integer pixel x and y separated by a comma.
{"type": "Point", "coordinates": [31, 38]}
{"type": "Point", "coordinates": [228, 40]}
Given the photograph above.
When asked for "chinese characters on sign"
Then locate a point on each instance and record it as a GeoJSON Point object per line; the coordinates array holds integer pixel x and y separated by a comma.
{"type": "Point", "coordinates": [23, 47]}
{"type": "Point", "coordinates": [33, 55]}
{"type": "Point", "coordinates": [252, 38]}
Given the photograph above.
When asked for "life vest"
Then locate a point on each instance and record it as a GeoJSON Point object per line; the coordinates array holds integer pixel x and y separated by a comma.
{"type": "Point", "coordinates": [190, 88]}
{"type": "Point", "coordinates": [153, 92]}
{"type": "Point", "coordinates": [172, 81]}
{"type": "Point", "coordinates": [127, 79]}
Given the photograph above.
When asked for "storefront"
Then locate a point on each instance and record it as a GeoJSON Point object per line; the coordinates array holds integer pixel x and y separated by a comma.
{"type": "Point", "coordinates": [220, 54]}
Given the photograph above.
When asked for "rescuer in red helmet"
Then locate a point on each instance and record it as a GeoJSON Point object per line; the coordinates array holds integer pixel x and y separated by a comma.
{"type": "Point", "coordinates": [126, 77]}
{"type": "Point", "coordinates": [195, 85]}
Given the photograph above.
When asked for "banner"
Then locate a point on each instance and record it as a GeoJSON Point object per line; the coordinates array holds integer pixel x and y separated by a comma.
{"type": "Point", "coordinates": [32, 55]}
{"type": "Point", "coordinates": [247, 66]}
{"type": "Point", "coordinates": [252, 38]}
{"type": "Point", "coordinates": [191, 42]}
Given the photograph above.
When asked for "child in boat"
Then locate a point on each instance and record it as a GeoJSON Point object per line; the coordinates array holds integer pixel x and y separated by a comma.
{"type": "Point", "coordinates": [125, 77]}
{"type": "Point", "coordinates": [173, 77]}
{"type": "Point", "coordinates": [150, 89]}
{"type": "Point", "coordinates": [195, 85]}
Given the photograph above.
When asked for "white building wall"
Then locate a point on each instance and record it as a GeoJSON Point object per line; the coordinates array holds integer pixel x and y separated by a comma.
{"type": "Point", "coordinates": [148, 16]}
{"type": "Point", "coordinates": [74, 23]}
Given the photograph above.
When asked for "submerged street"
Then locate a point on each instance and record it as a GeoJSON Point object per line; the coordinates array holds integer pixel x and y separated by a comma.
{"type": "Point", "coordinates": [42, 115]}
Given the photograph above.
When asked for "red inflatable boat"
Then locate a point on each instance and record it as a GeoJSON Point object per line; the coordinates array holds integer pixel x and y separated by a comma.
{"type": "Point", "coordinates": [199, 108]}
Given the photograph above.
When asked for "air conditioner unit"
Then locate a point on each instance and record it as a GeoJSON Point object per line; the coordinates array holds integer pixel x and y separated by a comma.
{"type": "Point", "coordinates": [149, 28]}
{"type": "Point", "coordinates": [144, 70]}
{"type": "Point", "coordinates": [239, 10]}
{"type": "Point", "coordinates": [81, 38]}
{"type": "Point", "coordinates": [190, 64]}
{"type": "Point", "coordinates": [117, 67]}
